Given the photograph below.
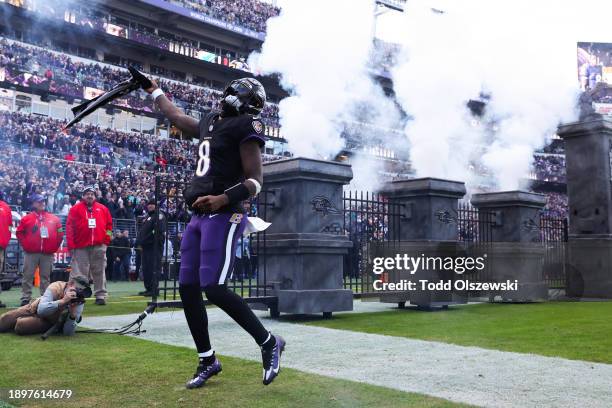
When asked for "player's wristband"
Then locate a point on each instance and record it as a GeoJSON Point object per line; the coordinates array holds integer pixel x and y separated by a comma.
{"type": "Point", "coordinates": [237, 193]}
{"type": "Point", "coordinates": [156, 93]}
{"type": "Point", "coordinates": [257, 185]}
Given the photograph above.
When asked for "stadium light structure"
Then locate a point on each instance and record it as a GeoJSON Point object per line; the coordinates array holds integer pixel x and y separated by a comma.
{"type": "Point", "coordinates": [397, 5]}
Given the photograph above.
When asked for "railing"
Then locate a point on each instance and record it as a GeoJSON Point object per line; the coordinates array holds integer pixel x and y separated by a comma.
{"type": "Point", "coordinates": [368, 217]}
{"type": "Point", "coordinates": [554, 236]}
{"type": "Point", "coordinates": [474, 225]}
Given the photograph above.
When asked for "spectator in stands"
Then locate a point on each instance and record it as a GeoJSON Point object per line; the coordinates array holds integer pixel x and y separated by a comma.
{"type": "Point", "coordinates": [152, 246]}
{"type": "Point", "coordinates": [88, 233]}
{"type": "Point", "coordinates": [76, 76]}
{"type": "Point", "coordinates": [65, 206]}
{"type": "Point", "coordinates": [251, 14]}
{"type": "Point", "coordinates": [6, 221]}
{"type": "Point", "coordinates": [122, 253]}
{"type": "Point", "coordinates": [40, 234]}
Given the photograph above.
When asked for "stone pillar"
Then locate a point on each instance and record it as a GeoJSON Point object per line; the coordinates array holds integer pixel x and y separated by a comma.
{"type": "Point", "coordinates": [305, 245]}
{"type": "Point", "coordinates": [427, 227]}
{"type": "Point", "coordinates": [516, 252]}
{"type": "Point", "coordinates": [588, 152]}
{"type": "Point", "coordinates": [429, 207]}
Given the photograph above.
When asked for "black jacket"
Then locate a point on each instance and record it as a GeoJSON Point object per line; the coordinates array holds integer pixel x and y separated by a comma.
{"type": "Point", "coordinates": [121, 247]}
{"type": "Point", "coordinates": [146, 233]}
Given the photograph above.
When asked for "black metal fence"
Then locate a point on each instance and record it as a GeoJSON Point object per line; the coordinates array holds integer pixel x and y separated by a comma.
{"type": "Point", "coordinates": [474, 225]}
{"type": "Point", "coordinates": [475, 230]}
{"type": "Point", "coordinates": [249, 276]}
{"type": "Point", "coordinates": [554, 236]}
{"type": "Point", "coordinates": [368, 217]}
{"type": "Point", "coordinates": [372, 217]}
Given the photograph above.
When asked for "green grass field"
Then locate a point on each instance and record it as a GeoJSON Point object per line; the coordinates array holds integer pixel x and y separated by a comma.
{"type": "Point", "coordinates": [111, 371]}
{"type": "Point", "coordinates": [123, 299]}
{"type": "Point", "coordinates": [117, 371]}
{"type": "Point", "coordinates": [573, 330]}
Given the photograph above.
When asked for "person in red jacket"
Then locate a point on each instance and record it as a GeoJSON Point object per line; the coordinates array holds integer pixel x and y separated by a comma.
{"type": "Point", "coordinates": [6, 221]}
{"type": "Point", "coordinates": [89, 228]}
{"type": "Point", "coordinates": [40, 234]}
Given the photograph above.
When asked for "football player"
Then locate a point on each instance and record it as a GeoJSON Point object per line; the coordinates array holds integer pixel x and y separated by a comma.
{"type": "Point", "coordinates": [228, 171]}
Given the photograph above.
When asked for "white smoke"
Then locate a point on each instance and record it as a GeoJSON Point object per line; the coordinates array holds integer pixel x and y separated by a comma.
{"type": "Point", "coordinates": [321, 50]}
{"type": "Point", "coordinates": [522, 53]}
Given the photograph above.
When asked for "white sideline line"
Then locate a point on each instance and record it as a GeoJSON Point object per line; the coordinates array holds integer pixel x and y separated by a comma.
{"type": "Point", "coordinates": [470, 375]}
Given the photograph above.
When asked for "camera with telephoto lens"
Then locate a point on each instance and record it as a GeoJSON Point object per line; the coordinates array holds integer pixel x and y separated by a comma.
{"type": "Point", "coordinates": [81, 295]}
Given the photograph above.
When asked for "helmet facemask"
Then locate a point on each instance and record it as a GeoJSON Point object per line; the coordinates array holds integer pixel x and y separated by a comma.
{"type": "Point", "coordinates": [245, 95]}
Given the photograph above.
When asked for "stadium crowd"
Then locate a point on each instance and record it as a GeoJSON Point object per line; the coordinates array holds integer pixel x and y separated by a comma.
{"type": "Point", "coordinates": [38, 68]}
{"type": "Point", "coordinates": [251, 14]}
{"type": "Point", "coordinates": [556, 205]}
{"type": "Point", "coordinates": [549, 168]}
{"type": "Point", "coordinates": [92, 144]}
{"type": "Point", "coordinates": [139, 155]}
{"type": "Point", "coordinates": [125, 191]}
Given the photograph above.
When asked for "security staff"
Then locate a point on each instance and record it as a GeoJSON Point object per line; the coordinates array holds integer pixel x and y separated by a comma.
{"type": "Point", "coordinates": [40, 234]}
{"type": "Point", "coordinates": [151, 247]}
{"type": "Point", "coordinates": [89, 229]}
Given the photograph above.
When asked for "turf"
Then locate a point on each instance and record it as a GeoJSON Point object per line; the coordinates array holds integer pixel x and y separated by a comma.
{"type": "Point", "coordinates": [573, 330]}
{"type": "Point", "coordinates": [122, 299]}
{"type": "Point", "coordinates": [115, 371]}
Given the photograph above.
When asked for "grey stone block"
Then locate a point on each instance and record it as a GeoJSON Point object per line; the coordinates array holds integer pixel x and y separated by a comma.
{"type": "Point", "coordinates": [589, 270]}
{"type": "Point", "coordinates": [588, 151]}
{"type": "Point", "coordinates": [428, 208]}
{"type": "Point", "coordinates": [520, 261]}
{"type": "Point", "coordinates": [315, 301]}
{"type": "Point", "coordinates": [516, 252]}
{"type": "Point", "coordinates": [305, 244]}
{"type": "Point", "coordinates": [518, 214]}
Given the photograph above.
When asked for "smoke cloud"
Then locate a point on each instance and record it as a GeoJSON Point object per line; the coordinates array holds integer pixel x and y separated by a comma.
{"type": "Point", "coordinates": [321, 51]}
{"type": "Point", "coordinates": [521, 53]}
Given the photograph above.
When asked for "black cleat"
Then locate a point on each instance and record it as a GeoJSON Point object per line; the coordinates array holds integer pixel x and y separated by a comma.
{"type": "Point", "coordinates": [203, 373]}
{"type": "Point", "coordinates": [271, 360]}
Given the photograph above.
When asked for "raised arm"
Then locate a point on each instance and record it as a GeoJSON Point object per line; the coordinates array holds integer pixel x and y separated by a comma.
{"type": "Point", "coordinates": [182, 121]}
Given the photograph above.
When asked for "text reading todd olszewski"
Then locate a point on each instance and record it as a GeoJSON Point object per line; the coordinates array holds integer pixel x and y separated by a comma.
{"type": "Point", "coordinates": [404, 263]}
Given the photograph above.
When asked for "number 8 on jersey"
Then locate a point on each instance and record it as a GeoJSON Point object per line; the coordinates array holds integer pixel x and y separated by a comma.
{"type": "Point", "coordinates": [204, 158]}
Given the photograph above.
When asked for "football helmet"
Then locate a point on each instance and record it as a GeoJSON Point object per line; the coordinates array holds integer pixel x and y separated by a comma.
{"type": "Point", "coordinates": [244, 95]}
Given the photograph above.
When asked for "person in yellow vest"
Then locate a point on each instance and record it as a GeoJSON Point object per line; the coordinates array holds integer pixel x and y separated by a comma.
{"type": "Point", "coordinates": [43, 313]}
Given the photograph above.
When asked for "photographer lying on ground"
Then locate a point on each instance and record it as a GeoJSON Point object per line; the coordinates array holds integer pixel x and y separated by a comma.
{"type": "Point", "coordinates": [44, 312]}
